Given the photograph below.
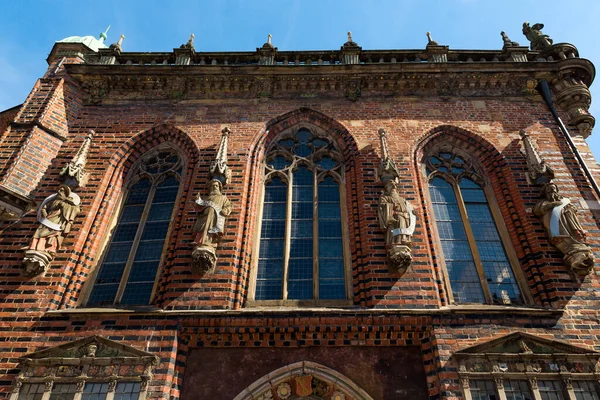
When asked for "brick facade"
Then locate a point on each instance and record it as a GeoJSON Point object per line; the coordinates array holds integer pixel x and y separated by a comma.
{"type": "Point", "coordinates": [208, 341]}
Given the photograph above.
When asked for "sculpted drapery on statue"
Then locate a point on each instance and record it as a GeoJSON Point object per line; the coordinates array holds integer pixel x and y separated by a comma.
{"type": "Point", "coordinates": [397, 217]}
{"type": "Point", "coordinates": [559, 217]}
{"type": "Point", "coordinates": [56, 216]}
{"type": "Point", "coordinates": [209, 227]}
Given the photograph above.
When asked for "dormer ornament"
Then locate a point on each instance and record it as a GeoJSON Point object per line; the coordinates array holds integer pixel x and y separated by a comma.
{"type": "Point", "coordinates": [538, 172]}
{"type": "Point", "coordinates": [351, 51]}
{"type": "Point", "coordinates": [267, 52]}
{"type": "Point", "coordinates": [74, 173]}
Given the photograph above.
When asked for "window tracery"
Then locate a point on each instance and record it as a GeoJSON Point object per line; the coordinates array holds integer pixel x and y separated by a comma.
{"type": "Point", "coordinates": [128, 269]}
{"type": "Point", "coordinates": [302, 255]}
{"type": "Point", "coordinates": [476, 257]}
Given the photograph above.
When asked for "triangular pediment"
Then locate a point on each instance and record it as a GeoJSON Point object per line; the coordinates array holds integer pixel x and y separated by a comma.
{"type": "Point", "coordinates": [524, 343]}
{"type": "Point", "coordinates": [93, 347]}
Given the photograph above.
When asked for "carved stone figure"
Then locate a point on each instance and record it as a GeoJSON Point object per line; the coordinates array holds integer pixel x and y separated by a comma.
{"type": "Point", "coordinates": [397, 217]}
{"type": "Point", "coordinates": [534, 34]}
{"type": "Point", "coordinates": [559, 216]}
{"type": "Point", "coordinates": [189, 44]}
{"type": "Point", "coordinates": [208, 229]}
{"type": "Point", "coordinates": [56, 216]}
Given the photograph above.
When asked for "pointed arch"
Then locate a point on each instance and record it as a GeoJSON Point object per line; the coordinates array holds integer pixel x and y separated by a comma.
{"type": "Point", "coordinates": [474, 177]}
{"type": "Point", "coordinates": [308, 117]}
{"type": "Point", "coordinates": [119, 166]}
{"type": "Point", "coordinates": [336, 381]}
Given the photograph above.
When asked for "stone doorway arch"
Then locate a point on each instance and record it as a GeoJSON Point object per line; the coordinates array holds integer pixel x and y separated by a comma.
{"type": "Point", "coordinates": [304, 380]}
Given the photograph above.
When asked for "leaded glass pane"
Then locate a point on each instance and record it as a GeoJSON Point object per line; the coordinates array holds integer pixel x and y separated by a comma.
{"type": "Point", "coordinates": [498, 271]}
{"type": "Point", "coordinates": [94, 391]}
{"type": "Point", "coordinates": [331, 256]}
{"type": "Point", "coordinates": [517, 390]}
{"type": "Point", "coordinates": [550, 390]}
{"type": "Point", "coordinates": [462, 273]}
{"type": "Point", "coordinates": [279, 162]}
{"type": "Point", "coordinates": [483, 389]}
{"type": "Point", "coordinates": [585, 390]}
{"type": "Point", "coordinates": [270, 262]}
{"type": "Point", "coordinates": [153, 234]}
{"type": "Point", "coordinates": [31, 391]}
{"type": "Point", "coordinates": [127, 391]}
{"type": "Point", "coordinates": [63, 391]}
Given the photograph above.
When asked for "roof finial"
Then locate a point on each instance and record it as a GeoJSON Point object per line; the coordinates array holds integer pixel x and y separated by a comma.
{"type": "Point", "coordinates": [349, 37]}
{"type": "Point", "coordinates": [431, 42]}
{"type": "Point", "coordinates": [507, 41]}
{"type": "Point", "coordinates": [189, 44]}
{"type": "Point", "coordinates": [104, 35]}
{"type": "Point", "coordinates": [269, 37]}
{"type": "Point", "coordinates": [117, 46]}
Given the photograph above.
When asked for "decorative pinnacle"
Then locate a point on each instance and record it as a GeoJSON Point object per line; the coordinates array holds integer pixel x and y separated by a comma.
{"type": "Point", "coordinates": [431, 42]}
{"type": "Point", "coordinates": [507, 41]}
{"type": "Point", "coordinates": [218, 168]}
{"type": "Point", "coordinates": [538, 171]}
{"type": "Point", "coordinates": [269, 37]}
{"type": "Point", "coordinates": [74, 172]}
{"type": "Point", "coordinates": [117, 46]}
{"type": "Point", "coordinates": [387, 169]}
{"type": "Point", "coordinates": [189, 44]}
{"type": "Point", "coordinates": [104, 35]}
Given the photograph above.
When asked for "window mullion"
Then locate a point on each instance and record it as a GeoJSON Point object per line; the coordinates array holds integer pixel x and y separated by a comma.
{"type": "Point", "coordinates": [136, 243]}
{"type": "Point", "coordinates": [315, 235]}
{"type": "Point", "coordinates": [288, 234]}
{"type": "Point", "coordinates": [472, 243]}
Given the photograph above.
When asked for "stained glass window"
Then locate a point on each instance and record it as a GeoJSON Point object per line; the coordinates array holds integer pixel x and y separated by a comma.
{"type": "Point", "coordinates": [301, 253]}
{"type": "Point", "coordinates": [131, 260]}
{"type": "Point", "coordinates": [479, 270]}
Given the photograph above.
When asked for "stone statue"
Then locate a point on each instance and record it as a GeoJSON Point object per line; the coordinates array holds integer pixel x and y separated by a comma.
{"type": "Point", "coordinates": [396, 216]}
{"type": "Point", "coordinates": [56, 216]}
{"type": "Point", "coordinates": [189, 44]}
{"type": "Point", "coordinates": [559, 216]}
{"type": "Point", "coordinates": [209, 227]}
{"type": "Point", "coordinates": [534, 34]}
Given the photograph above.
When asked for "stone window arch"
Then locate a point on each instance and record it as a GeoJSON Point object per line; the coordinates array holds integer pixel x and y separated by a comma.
{"type": "Point", "coordinates": [479, 262]}
{"type": "Point", "coordinates": [127, 271]}
{"type": "Point", "coordinates": [302, 247]}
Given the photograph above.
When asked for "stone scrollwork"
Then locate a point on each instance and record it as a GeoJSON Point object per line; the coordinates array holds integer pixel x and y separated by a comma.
{"type": "Point", "coordinates": [209, 228]}
{"type": "Point", "coordinates": [55, 216]}
{"type": "Point", "coordinates": [559, 217]}
{"type": "Point", "coordinates": [396, 215]}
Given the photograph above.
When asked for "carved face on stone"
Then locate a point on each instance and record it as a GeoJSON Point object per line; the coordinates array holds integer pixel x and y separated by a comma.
{"type": "Point", "coordinates": [390, 187]}
{"type": "Point", "coordinates": [215, 187]}
{"type": "Point", "coordinates": [64, 192]}
{"type": "Point", "coordinates": [551, 192]}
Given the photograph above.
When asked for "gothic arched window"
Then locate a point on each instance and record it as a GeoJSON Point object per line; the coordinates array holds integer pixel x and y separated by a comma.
{"type": "Point", "coordinates": [302, 254]}
{"type": "Point", "coordinates": [128, 268]}
{"type": "Point", "coordinates": [476, 256]}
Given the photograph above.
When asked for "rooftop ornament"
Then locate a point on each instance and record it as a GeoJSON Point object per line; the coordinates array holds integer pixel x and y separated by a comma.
{"type": "Point", "coordinates": [430, 41]}
{"type": "Point", "coordinates": [539, 41]}
{"type": "Point", "coordinates": [507, 41]}
{"type": "Point", "coordinates": [117, 46]}
{"type": "Point", "coordinates": [104, 35]}
{"type": "Point", "coordinates": [189, 44]}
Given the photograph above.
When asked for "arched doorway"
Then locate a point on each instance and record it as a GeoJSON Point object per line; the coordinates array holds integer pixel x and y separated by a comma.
{"type": "Point", "coordinates": [304, 380]}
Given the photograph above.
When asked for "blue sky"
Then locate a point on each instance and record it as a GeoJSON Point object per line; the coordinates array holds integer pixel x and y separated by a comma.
{"type": "Point", "coordinates": [29, 28]}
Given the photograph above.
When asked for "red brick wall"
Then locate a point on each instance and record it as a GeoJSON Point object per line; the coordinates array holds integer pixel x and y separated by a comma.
{"type": "Point", "coordinates": [488, 129]}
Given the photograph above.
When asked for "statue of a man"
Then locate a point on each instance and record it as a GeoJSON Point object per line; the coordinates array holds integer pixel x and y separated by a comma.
{"type": "Point", "coordinates": [397, 217]}
{"type": "Point", "coordinates": [56, 216]}
{"type": "Point", "coordinates": [209, 227]}
{"type": "Point", "coordinates": [559, 217]}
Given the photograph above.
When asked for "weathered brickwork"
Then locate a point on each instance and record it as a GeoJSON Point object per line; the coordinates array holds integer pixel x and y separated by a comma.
{"type": "Point", "coordinates": [194, 320]}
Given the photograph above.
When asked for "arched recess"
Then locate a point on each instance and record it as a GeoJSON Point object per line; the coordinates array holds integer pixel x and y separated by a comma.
{"type": "Point", "coordinates": [304, 380]}
{"type": "Point", "coordinates": [320, 125]}
{"type": "Point", "coordinates": [496, 172]}
{"type": "Point", "coordinates": [110, 188]}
